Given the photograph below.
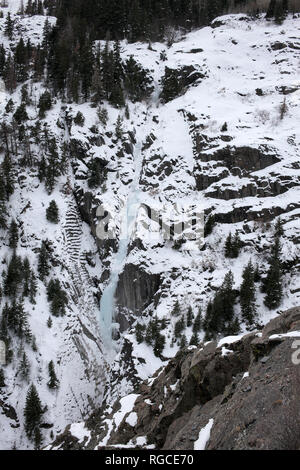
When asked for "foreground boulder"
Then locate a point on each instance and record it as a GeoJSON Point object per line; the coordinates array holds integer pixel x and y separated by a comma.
{"type": "Point", "coordinates": [246, 388]}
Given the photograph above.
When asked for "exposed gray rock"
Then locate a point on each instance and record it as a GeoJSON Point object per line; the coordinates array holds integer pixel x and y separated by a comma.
{"type": "Point", "coordinates": [259, 410]}
{"type": "Point", "coordinates": [136, 288]}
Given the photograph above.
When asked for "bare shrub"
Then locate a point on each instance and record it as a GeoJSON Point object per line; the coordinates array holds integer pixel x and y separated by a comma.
{"type": "Point", "coordinates": [283, 109]}
{"type": "Point", "coordinates": [172, 35]}
{"type": "Point", "coordinates": [263, 115]}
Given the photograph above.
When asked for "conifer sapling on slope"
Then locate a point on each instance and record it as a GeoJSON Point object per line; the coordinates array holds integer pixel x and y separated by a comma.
{"type": "Point", "coordinates": [13, 235]}
{"type": "Point", "coordinates": [176, 310]}
{"type": "Point", "coordinates": [43, 261]}
{"type": "Point", "coordinates": [198, 322]}
{"type": "Point", "coordinates": [53, 381]}
{"type": "Point", "coordinates": [272, 284]}
{"type": "Point", "coordinates": [189, 317]}
{"type": "Point", "coordinates": [32, 411]}
{"type": "Point", "coordinates": [2, 378]}
{"type": "Point", "coordinates": [52, 212]}
{"type": "Point", "coordinates": [247, 295]}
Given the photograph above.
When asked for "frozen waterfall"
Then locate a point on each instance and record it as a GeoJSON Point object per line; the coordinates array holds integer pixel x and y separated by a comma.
{"type": "Point", "coordinates": [107, 303]}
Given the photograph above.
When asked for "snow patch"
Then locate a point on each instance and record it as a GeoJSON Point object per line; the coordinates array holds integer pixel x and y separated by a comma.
{"type": "Point", "coordinates": [204, 436]}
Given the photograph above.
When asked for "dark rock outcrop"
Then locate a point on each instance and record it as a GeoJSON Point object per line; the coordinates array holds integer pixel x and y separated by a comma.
{"type": "Point", "coordinates": [176, 81]}
{"type": "Point", "coordinates": [246, 158]}
{"type": "Point", "coordinates": [136, 288]}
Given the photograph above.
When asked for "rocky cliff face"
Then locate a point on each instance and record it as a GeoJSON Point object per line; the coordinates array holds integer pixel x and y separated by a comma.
{"type": "Point", "coordinates": [232, 152]}
{"type": "Point", "coordinates": [247, 386]}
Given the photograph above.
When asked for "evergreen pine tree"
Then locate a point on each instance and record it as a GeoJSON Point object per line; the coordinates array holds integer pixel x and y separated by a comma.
{"type": "Point", "coordinates": [42, 169]}
{"type": "Point", "coordinates": [279, 13]}
{"type": "Point", "coordinates": [224, 128]}
{"type": "Point", "coordinates": [119, 128]}
{"type": "Point", "coordinates": [26, 277]}
{"type": "Point", "coordinates": [220, 312]}
{"type": "Point", "coordinates": [198, 322]}
{"type": "Point", "coordinates": [107, 70]}
{"type": "Point", "coordinates": [95, 175]}
{"type": "Point", "coordinates": [53, 381]}
{"type": "Point", "coordinates": [58, 305]}
{"type": "Point", "coordinates": [228, 246]}
{"type": "Point", "coordinates": [20, 114]}
{"type": "Point", "coordinates": [257, 275]}
{"type": "Point", "coordinates": [38, 439]}
{"type": "Point", "coordinates": [13, 235]}
{"type": "Point", "coordinates": [273, 282]}
{"type": "Point", "coordinates": [117, 97]}
{"type": "Point", "coordinates": [247, 295]}
{"type": "Point", "coordinates": [49, 322]}
{"type": "Point", "coordinates": [103, 116]}
{"type": "Point", "coordinates": [3, 210]}
{"type": "Point", "coordinates": [10, 106]}
{"type": "Point", "coordinates": [8, 175]}
{"type": "Point", "coordinates": [236, 245]}
{"type": "Point", "coordinates": [45, 103]}
{"type": "Point", "coordinates": [21, 65]}
{"type": "Point", "coordinates": [279, 228]}
{"type": "Point", "coordinates": [53, 169]}
{"type": "Point", "coordinates": [176, 310]}
{"type": "Point", "coordinates": [179, 327]}
{"type": "Point", "coordinates": [43, 261]}
{"type": "Point", "coordinates": [9, 74]}
{"type": "Point", "coordinates": [228, 297]}
{"type": "Point", "coordinates": [232, 246]}
{"type": "Point", "coordinates": [52, 212]}
{"type": "Point", "coordinates": [285, 7]}
{"type": "Point", "coordinates": [14, 276]}
{"type": "Point", "coordinates": [233, 327]}
{"type": "Point", "coordinates": [2, 378]}
{"type": "Point", "coordinates": [183, 342]}
{"type": "Point", "coordinates": [79, 119]}
{"type": "Point", "coordinates": [22, 328]}
{"type": "Point", "coordinates": [46, 34]}
{"type": "Point", "coordinates": [159, 344]}
{"type": "Point", "coordinates": [139, 332]}
{"type": "Point", "coordinates": [271, 9]}
{"type": "Point", "coordinates": [32, 411]}
{"type": "Point", "coordinates": [148, 336]}
{"type": "Point", "coordinates": [189, 317]}
{"type": "Point", "coordinates": [24, 367]}
{"type": "Point", "coordinates": [211, 322]}
{"type": "Point", "coordinates": [33, 344]}
{"type": "Point", "coordinates": [9, 27]}
{"type": "Point", "coordinates": [194, 339]}
{"type": "Point", "coordinates": [32, 288]}
{"type": "Point", "coordinates": [97, 87]}
{"type": "Point", "coordinates": [138, 82]}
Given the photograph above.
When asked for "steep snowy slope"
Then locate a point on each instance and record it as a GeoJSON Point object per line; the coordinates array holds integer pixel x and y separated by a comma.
{"type": "Point", "coordinates": [73, 342]}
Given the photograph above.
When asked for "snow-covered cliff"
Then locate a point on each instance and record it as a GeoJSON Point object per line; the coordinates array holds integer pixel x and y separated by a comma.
{"type": "Point", "coordinates": [226, 142]}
